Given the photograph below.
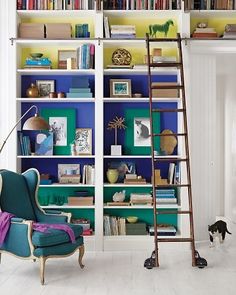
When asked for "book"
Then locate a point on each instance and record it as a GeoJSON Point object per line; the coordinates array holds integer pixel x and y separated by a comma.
{"type": "Point", "coordinates": [205, 35]}
{"type": "Point", "coordinates": [171, 173]}
{"type": "Point", "coordinates": [118, 203]}
{"type": "Point", "coordinates": [79, 95]}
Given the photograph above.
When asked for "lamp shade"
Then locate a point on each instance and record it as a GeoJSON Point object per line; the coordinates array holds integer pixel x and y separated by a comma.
{"type": "Point", "coordinates": [36, 123]}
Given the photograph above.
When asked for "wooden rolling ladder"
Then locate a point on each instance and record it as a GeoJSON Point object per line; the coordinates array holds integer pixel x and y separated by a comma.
{"type": "Point", "coordinates": [153, 261]}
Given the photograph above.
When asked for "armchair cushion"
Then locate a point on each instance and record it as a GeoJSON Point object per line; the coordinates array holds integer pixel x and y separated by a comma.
{"type": "Point", "coordinates": [54, 237]}
{"type": "Point", "coordinates": [62, 249]}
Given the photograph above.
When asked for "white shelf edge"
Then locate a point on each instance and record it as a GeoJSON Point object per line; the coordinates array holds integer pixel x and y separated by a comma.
{"type": "Point", "coordinates": [55, 100]}
{"type": "Point", "coordinates": [55, 157]}
{"type": "Point", "coordinates": [141, 157]}
{"type": "Point", "coordinates": [137, 237]}
{"type": "Point", "coordinates": [66, 185]}
{"type": "Point", "coordinates": [166, 206]}
{"type": "Point", "coordinates": [45, 41]}
{"type": "Point", "coordinates": [143, 13]}
{"type": "Point", "coordinates": [213, 13]}
{"type": "Point", "coordinates": [127, 185]}
{"type": "Point", "coordinates": [56, 13]}
{"type": "Point", "coordinates": [67, 207]}
{"type": "Point", "coordinates": [55, 72]}
{"type": "Point", "coordinates": [166, 71]}
{"type": "Point", "coordinates": [141, 99]}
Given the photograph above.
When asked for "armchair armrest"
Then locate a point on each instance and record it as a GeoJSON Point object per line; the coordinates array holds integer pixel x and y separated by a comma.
{"type": "Point", "coordinates": [18, 239]}
{"type": "Point", "coordinates": [54, 216]}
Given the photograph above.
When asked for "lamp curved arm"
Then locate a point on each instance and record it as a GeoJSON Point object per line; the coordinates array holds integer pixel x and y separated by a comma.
{"type": "Point", "coordinates": [36, 112]}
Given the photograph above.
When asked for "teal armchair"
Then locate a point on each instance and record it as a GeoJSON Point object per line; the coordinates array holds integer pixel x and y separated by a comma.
{"type": "Point", "coordinates": [18, 196]}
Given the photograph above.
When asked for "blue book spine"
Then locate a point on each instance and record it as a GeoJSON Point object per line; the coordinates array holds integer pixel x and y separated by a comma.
{"type": "Point", "coordinates": [79, 90]}
{"type": "Point", "coordinates": [79, 95]}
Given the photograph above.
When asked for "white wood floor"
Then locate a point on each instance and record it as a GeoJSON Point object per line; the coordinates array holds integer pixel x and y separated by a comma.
{"type": "Point", "coordinates": [123, 273]}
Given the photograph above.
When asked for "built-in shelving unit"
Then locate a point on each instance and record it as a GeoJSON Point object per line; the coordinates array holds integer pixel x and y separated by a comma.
{"type": "Point", "coordinates": [97, 111]}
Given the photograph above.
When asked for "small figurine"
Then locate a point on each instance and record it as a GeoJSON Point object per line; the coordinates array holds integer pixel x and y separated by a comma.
{"type": "Point", "coordinates": [119, 196]}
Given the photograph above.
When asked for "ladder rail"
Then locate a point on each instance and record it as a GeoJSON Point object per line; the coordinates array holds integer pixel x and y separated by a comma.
{"type": "Point", "coordinates": [187, 151]}
{"type": "Point", "coordinates": [152, 151]}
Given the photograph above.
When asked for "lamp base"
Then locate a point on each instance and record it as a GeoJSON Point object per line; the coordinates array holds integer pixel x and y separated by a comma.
{"type": "Point", "coordinates": [116, 150]}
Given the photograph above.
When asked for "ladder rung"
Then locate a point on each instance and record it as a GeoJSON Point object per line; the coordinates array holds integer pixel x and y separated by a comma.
{"type": "Point", "coordinates": [156, 159]}
{"type": "Point", "coordinates": [165, 64]}
{"type": "Point", "coordinates": [168, 110]}
{"type": "Point", "coordinates": [163, 39]}
{"type": "Point", "coordinates": [171, 185]}
{"type": "Point", "coordinates": [167, 87]}
{"type": "Point", "coordinates": [172, 134]}
{"type": "Point", "coordinates": [173, 212]}
{"type": "Point", "coordinates": [175, 240]}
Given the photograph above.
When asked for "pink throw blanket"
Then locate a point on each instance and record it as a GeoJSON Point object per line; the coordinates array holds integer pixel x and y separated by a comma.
{"type": "Point", "coordinates": [5, 222]}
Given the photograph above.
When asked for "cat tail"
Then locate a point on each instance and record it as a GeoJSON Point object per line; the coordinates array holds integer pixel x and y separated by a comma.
{"type": "Point", "coordinates": [228, 231]}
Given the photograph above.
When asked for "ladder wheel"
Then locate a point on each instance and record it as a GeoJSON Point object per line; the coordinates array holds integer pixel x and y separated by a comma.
{"type": "Point", "coordinates": [200, 261]}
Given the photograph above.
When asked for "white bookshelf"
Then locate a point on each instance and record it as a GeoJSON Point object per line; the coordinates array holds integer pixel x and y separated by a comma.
{"type": "Point", "coordinates": [98, 240]}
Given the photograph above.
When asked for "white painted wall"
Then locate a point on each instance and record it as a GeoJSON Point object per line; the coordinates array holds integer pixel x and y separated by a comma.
{"type": "Point", "coordinates": [226, 97]}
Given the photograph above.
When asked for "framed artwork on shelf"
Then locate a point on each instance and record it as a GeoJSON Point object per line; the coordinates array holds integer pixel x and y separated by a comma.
{"type": "Point", "coordinates": [69, 173]}
{"type": "Point", "coordinates": [44, 143]}
{"type": "Point", "coordinates": [83, 141]}
{"type": "Point", "coordinates": [120, 88]}
{"type": "Point", "coordinates": [137, 139]}
{"type": "Point", "coordinates": [65, 57]}
{"type": "Point", "coordinates": [62, 124]}
{"type": "Point", "coordinates": [45, 87]}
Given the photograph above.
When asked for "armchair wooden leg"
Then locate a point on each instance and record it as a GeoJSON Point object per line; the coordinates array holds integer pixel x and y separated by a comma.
{"type": "Point", "coordinates": [81, 254]}
{"type": "Point", "coordinates": [42, 268]}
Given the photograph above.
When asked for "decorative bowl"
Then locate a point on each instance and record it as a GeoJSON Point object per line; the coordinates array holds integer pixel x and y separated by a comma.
{"type": "Point", "coordinates": [132, 219]}
{"type": "Point", "coordinates": [36, 55]}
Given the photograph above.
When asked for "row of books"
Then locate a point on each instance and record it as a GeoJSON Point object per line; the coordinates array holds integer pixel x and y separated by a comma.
{"type": "Point", "coordinates": [55, 4]}
{"type": "Point", "coordinates": [141, 4]}
{"type": "Point", "coordinates": [24, 145]}
{"type": "Point", "coordinates": [166, 196]}
{"type": "Point", "coordinates": [211, 4]}
{"type": "Point", "coordinates": [114, 226]}
{"type": "Point", "coordinates": [85, 56]}
{"type": "Point", "coordinates": [88, 174]}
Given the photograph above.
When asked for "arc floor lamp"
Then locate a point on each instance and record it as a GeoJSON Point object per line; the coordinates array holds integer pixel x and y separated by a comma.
{"type": "Point", "coordinates": [33, 123]}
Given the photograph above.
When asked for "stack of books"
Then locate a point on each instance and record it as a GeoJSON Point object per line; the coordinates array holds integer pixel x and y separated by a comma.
{"type": "Point", "coordinates": [80, 88]}
{"type": "Point", "coordinates": [163, 230]}
{"type": "Point", "coordinates": [45, 179]}
{"type": "Point", "coordinates": [230, 31]}
{"type": "Point", "coordinates": [140, 199]}
{"type": "Point", "coordinates": [166, 196]}
{"type": "Point", "coordinates": [79, 93]}
{"type": "Point", "coordinates": [85, 56]}
{"type": "Point", "coordinates": [134, 179]}
{"type": "Point", "coordinates": [123, 31]}
{"type": "Point", "coordinates": [38, 63]}
{"type": "Point", "coordinates": [204, 33]}
{"type": "Point", "coordinates": [114, 226]}
{"type": "Point", "coordinates": [85, 223]}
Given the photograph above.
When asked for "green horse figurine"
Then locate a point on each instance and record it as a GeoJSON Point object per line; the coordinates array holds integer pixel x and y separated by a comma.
{"type": "Point", "coordinates": [153, 29]}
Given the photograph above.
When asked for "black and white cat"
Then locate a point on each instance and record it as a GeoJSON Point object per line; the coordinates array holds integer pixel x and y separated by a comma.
{"type": "Point", "coordinates": [218, 229]}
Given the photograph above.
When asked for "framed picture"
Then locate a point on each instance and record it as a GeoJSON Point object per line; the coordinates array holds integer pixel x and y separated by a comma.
{"type": "Point", "coordinates": [45, 87]}
{"type": "Point", "coordinates": [44, 143]}
{"type": "Point", "coordinates": [62, 124]}
{"type": "Point", "coordinates": [120, 88]}
{"type": "Point", "coordinates": [63, 55]}
{"type": "Point", "coordinates": [137, 133]}
{"type": "Point", "coordinates": [69, 173]}
{"type": "Point", "coordinates": [83, 141]}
